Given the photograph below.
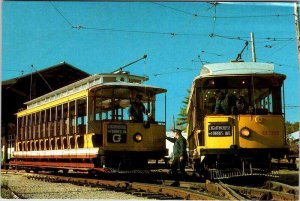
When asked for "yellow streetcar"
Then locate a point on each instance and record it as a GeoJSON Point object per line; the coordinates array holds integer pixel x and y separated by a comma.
{"type": "Point", "coordinates": [86, 125]}
{"type": "Point", "coordinates": [236, 122]}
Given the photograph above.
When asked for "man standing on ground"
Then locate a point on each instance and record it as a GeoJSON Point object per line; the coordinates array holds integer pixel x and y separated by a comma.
{"type": "Point", "coordinates": [179, 154]}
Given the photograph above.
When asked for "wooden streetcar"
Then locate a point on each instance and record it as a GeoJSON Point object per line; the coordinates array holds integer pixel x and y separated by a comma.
{"type": "Point", "coordinates": [85, 126]}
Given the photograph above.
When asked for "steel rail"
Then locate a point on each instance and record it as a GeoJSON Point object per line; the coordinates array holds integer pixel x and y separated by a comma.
{"type": "Point", "coordinates": [156, 191]}
{"type": "Point", "coordinates": [263, 194]}
{"type": "Point", "coordinates": [276, 190]}
{"type": "Point", "coordinates": [277, 186]}
{"type": "Point", "coordinates": [183, 190]}
{"type": "Point", "coordinates": [218, 189]}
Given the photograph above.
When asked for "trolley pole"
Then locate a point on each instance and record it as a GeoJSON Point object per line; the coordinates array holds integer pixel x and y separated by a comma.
{"type": "Point", "coordinates": [253, 47]}
{"type": "Point", "coordinates": [296, 10]}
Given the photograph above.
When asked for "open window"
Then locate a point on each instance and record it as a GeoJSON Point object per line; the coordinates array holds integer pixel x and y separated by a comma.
{"type": "Point", "coordinates": [112, 104]}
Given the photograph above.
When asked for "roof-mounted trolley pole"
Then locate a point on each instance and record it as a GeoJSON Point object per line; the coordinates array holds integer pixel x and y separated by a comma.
{"type": "Point", "coordinates": [121, 68]}
{"type": "Point", "coordinates": [239, 57]}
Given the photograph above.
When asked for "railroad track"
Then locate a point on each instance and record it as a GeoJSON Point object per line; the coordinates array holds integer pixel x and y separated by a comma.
{"type": "Point", "coordinates": [270, 191]}
{"type": "Point", "coordinates": [185, 190]}
{"type": "Point", "coordinates": [153, 191]}
{"type": "Point", "coordinates": [167, 189]}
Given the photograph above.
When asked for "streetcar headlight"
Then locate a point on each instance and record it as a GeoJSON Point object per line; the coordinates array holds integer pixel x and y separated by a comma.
{"type": "Point", "coordinates": [137, 137]}
{"type": "Point", "coordinates": [245, 132]}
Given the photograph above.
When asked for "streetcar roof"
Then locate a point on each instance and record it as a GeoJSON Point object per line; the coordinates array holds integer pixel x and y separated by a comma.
{"type": "Point", "coordinates": [236, 68]}
{"type": "Point", "coordinates": [87, 83]}
{"type": "Point", "coordinates": [143, 87]}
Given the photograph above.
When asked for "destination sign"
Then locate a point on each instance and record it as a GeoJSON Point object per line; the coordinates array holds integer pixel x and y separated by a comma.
{"type": "Point", "coordinates": [116, 133]}
{"type": "Point", "coordinates": [219, 130]}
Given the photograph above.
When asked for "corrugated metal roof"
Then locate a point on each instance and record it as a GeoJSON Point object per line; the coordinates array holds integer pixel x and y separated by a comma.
{"type": "Point", "coordinates": [61, 64]}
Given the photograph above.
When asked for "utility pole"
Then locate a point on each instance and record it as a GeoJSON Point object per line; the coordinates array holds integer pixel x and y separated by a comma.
{"type": "Point", "coordinates": [296, 13]}
{"type": "Point", "coordinates": [253, 47]}
{"type": "Point", "coordinates": [297, 32]}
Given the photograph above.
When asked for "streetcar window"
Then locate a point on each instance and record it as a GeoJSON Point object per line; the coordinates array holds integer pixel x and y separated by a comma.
{"type": "Point", "coordinates": [98, 116]}
{"type": "Point", "coordinates": [114, 104]}
{"type": "Point", "coordinates": [81, 118]}
{"type": "Point", "coordinates": [84, 120]}
{"type": "Point", "coordinates": [72, 117]}
{"type": "Point", "coordinates": [229, 97]}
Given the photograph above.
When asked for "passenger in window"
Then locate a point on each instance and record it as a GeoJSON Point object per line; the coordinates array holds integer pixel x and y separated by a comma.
{"type": "Point", "coordinates": [137, 109]}
{"type": "Point", "coordinates": [219, 100]}
{"type": "Point", "coordinates": [240, 106]}
{"type": "Point", "coordinates": [228, 102]}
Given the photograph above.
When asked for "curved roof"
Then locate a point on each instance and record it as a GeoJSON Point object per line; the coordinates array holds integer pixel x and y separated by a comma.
{"type": "Point", "coordinates": [239, 68]}
{"type": "Point", "coordinates": [117, 79]}
{"type": "Point", "coordinates": [130, 85]}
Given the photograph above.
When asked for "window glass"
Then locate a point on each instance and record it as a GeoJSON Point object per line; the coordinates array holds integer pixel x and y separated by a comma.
{"type": "Point", "coordinates": [239, 101]}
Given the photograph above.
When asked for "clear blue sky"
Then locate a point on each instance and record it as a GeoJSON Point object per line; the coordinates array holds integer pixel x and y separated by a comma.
{"type": "Point", "coordinates": [114, 34]}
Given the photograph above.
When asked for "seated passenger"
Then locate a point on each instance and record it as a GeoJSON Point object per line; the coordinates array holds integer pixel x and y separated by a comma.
{"type": "Point", "coordinates": [137, 109]}
{"type": "Point", "coordinates": [228, 102]}
{"type": "Point", "coordinates": [240, 106]}
{"type": "Point", "coordinates": [218, 109]}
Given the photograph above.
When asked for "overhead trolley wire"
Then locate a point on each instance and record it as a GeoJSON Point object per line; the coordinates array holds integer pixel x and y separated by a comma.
{"type": "Point", "coordinates": [129, 31]}
{"type": "Point", "coordinates": [177, 70]}
{"type": "Point", "coordinates": [61, 14]}
{"type": "Point", "coordinates": [178, 10]}
{"type": "Point", "coordinates": [255, 16]}
{"type": "Point", "coordinates": [15, 70]}
{"type": "Point", "coordinates": [227, 37]}
{"type": "Point", "coordinates": [279, 64]}
{"type": "Point", "coordinates": [279, 48]}
{"type": "Point", "coordinates": [222, 17]}
{"type": "Point", "coordinates": [219, 55]}
{"type": "Point", "coordinates": [174, 33]}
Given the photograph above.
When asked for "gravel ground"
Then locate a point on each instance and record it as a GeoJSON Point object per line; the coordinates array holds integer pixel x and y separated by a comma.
{"type": "Point", "coordinates": [33, 189]}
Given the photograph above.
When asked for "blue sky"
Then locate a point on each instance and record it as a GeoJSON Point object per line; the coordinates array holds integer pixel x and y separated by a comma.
{"type": "Point", "coordinates": [174, 35]}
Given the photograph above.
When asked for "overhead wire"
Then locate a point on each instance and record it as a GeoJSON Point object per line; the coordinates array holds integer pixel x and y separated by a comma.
{"type": "Point", "coordinates": [214, 19]}
{"type": "Point", "coordinates": [15, 70]}
{"type": "Point", "coordinates": [278, 64]}
{"type": "Point", "coordinates": [278, 49]}
{"type": "Point", "coordinates": [255, 16]}
{"type": "Point", "coordinates": [173, 34]}
{"type": "Point", "coordinates": [178, 10]}
{"type": "Point", "coordinates": [60, 13]}
{"type": "Point", "coordinates": [42, 77]}
{"type": "Point", "coordinates": [129, 31]}
{"type": "Point", "coordinates": [170, 33]}
{"type": "Point", "coordinates": [292, 106]}
{"type": "Point", "coordinates": [222, 17]}
{"type": "Point", "coordinates": [212, 53]}
{"type": "Point", "coordinates": [178, 70]}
